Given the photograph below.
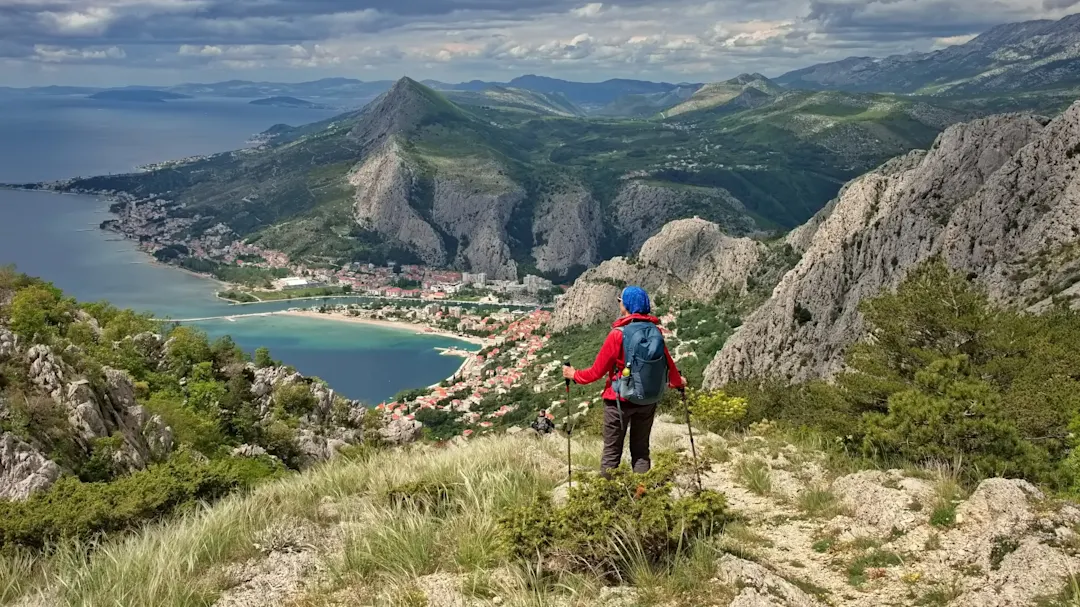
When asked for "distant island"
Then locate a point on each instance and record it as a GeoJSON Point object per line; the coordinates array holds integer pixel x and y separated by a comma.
{"type": "Point", "coordinates": [139, 95]}
{"type": "Point", "coordinates": [290, 102]}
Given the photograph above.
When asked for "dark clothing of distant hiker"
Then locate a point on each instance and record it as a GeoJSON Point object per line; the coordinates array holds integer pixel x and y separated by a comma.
{"type": "Point", "coordinates": [543, 425]}
{"type": "Point", "coordinates": [638, 419]}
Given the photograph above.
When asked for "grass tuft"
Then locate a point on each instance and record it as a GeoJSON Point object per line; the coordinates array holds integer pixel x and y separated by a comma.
{"type": "Point", "coordinates": [859, 570]}
{"type": "Point", "coordinates": [755, 475]}
{"type": "Point", "coordinates": [819, 502]}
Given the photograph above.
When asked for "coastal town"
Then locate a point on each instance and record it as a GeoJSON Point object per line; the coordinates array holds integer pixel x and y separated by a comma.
{"type": "Point", "coordinates": [502, 386]}
{"type": "Point", "coordinates": [254, 273]}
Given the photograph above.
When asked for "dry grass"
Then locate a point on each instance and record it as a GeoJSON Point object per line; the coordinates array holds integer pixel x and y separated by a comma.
{"type": "Point", "coordinates": [180, 563]}
{"type": "Point", "coordinates": [401, 516]}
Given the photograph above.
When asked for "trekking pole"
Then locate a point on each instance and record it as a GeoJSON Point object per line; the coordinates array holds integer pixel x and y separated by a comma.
{"type": "Point", "coordinates": [693, 448]}
{"type": "Point", "coordinates": [569, 465]}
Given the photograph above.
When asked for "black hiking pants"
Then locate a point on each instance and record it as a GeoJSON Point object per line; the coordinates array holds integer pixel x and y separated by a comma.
{"type": "Point", "coordinates": [639, 420]}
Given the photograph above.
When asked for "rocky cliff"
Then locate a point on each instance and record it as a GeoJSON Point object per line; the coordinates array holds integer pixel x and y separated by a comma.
{"type": "Point", "coordinates": [997, 198]}
{"type": "Point", "coordinates": [643, 208]}
{"type": "Point", "coordinates": [475, 209]}
{"type": "Point", "coordinates": [567, 229]}
{"type": "Point", "coordinates": [689, 258]}
{"type": "Point", "coordinates": [384, 183]}
{"type": "Point", "coordinates": [105, 407]}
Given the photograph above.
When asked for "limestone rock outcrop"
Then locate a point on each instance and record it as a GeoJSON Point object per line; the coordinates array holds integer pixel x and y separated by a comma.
{"type": "Point", "coordinates": [103, 414]}
{"type": "Point", "coordinates": [8, 344]}
{"type": "Point", "coordinates": [568, 230]}
{"type": "Point", "coordinates": [759, 587]}
{"type": "Point", "coordinates": [475, 211]}
{"type": "Point", "coordinates": [23, 469]}
{"type": "Point", "coordinates": [332, 423]}
{"type": "Point", "coordinates": [990, 198]}
{"type": "Point", "coordinates": [384, 183]}
{"type": "Point", "coordinates": [689, 258]}
{"type": "Point", "coordinates": [642, 209]}
{"type": "Point", "coordinates": [401, 431]}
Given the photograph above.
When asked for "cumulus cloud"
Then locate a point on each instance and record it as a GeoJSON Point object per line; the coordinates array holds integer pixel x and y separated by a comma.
{"type": "Point", "coordinates": [589, 10]}
{"type": "Point", "coordinates": [463, 39]}
{"type": "Point", "coordinates": [59, 54]}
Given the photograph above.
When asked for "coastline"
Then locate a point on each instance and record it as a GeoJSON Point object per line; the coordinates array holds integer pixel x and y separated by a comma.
{"type": "Point", "coordinates": [388, 324]}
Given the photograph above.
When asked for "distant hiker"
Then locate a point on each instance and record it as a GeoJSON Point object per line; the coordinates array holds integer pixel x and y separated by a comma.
{"type": "Point", "coordinates": [638, 368]}
{"type": "Point", "coordinates": [543, 424]}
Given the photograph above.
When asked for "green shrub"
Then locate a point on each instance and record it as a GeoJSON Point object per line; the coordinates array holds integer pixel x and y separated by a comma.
{"type": "Point", "coordinates": [715, 411]}
{"type": "Point", "coordinates": [875, 559]}
{"type": "Point", "coordinates": [294, 400]}
{"type": "Point", "coordinates": [72, 509]}
{"type": "Point", "coordinates": [196, 429]}
{"type": "Point", "coordinates": [598, 510]}
{"type": "Point", "coordinates": [263, 358]}
{"type": "Point", "coordinates": [101, 467]}
{"type": "Point", "coordinates": [439, 424]}
{"type": "Point", "coordinates": [951, 416]}
{"type": "Point", "coordinates": [40, 310]}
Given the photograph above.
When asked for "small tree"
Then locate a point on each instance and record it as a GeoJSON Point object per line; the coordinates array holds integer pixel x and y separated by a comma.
{"type": "Point", "coordinates": [263, 359]}
{"type": "Point", "coordinates": [950, 416]}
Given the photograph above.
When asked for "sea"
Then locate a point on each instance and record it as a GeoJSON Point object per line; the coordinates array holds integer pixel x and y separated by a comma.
{"type": "Point", "coordinates": [56, 237]}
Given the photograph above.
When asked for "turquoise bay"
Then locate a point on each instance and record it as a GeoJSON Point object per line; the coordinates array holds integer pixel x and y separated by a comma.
{"type": "Point", "coordinates": [56, 237]}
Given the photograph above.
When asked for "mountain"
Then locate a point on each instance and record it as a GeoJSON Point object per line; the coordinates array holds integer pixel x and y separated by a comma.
{"type": "Point", "coordinates": [995, 198]}
{"type": "Point", "coordinates": [510, 182]}
{"type": "Point", "coordinates": [1012, 58]}
{"type": "Point", "coordinates": [745, 92]}
{"type": "Point", "coordinates": [289, 102]}
{"type": "Point", "coordinates": [138, 96]}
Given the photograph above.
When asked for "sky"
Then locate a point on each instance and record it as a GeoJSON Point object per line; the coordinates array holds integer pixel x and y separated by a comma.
{"type": "Point", "coordinates": [162, 42]}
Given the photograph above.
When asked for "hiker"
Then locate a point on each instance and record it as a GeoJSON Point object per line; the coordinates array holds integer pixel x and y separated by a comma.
{"type": "Point", "coordinates": [543, 424]}
{"type": "Point", "coordinates": [634, 386]}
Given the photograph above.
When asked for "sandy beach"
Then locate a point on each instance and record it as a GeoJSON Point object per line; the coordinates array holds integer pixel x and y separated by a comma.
{"type": "Point", "coordinates": [390, 324]}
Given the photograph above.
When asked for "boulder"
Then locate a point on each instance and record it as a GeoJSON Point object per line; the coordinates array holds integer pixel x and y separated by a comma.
{"type": "Point", "coordinates": [885, 500]}
{"type": "Point", "coordinates": [1029, 571]}
{"type": "Point", "coordinates": [401, 431]}
{"type": "Point", "coordinates": [998, 507]}
{"type": "Point", "coordinates": [248, 451]}
{"type": "Point", "coordinates": [761, 587]}
{"type": "Point", "coordinates": [23, 469]}
{"type": "Point", "coordinates": [8, 344]}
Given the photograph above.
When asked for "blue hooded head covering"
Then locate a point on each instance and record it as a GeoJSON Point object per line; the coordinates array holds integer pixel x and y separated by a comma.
{"type": "Point", "coordinates": [636, 300]}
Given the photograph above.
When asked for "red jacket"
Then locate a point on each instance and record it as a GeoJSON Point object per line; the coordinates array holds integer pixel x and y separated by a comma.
{"type": "Point", "coordinates": [611, 359]}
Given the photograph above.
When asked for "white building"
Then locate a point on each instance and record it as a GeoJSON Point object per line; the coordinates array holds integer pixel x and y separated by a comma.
{"type": "Point", "coordinates": [535, 284]}
{"type": "Point", "coordinates": [295, 282]}
{"type": "Point", "coordinates": [478, 280]}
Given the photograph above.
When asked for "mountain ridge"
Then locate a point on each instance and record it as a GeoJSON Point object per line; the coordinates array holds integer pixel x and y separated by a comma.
{"type": "Point", "coordinates": [992, 197]}
{"type": "Point", "coordinates": [1007, 58]}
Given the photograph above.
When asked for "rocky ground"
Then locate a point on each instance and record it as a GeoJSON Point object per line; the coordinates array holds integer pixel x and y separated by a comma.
{"type": "Point", "coordinates": [807, 534]}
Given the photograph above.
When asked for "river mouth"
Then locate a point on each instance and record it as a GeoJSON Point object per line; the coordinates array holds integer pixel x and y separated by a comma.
{"type": "Point", "coordinates": [56, 237]}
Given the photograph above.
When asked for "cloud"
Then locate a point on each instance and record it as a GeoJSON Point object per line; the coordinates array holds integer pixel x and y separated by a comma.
{"type": "Point", "coordinates": [59, 54]}
{"type": "Point", "coordinates": [955, 40]}
{"type": "Point", "coordinates": [1059, 4]}
{"type": "Point", "coordinates": [591, 10]}
{"type": "Point", "coordinates": [696, 40]}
